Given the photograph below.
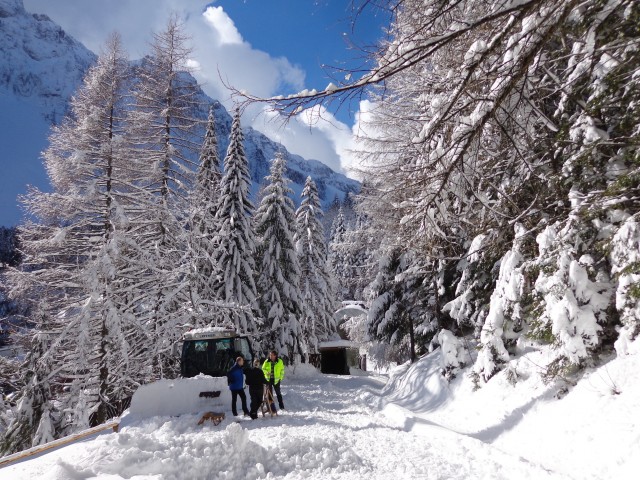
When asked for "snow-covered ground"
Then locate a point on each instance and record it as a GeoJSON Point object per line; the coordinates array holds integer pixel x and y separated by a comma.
{"type": "Point", "coordinates": [409, 425]}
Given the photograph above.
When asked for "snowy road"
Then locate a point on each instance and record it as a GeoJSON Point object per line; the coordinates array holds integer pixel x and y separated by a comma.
{"type": "Point", "coordinates": [335, 428]}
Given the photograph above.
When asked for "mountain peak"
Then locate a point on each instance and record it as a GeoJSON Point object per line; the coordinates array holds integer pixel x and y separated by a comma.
{"type": "Point", "coordinates": [39, 62]}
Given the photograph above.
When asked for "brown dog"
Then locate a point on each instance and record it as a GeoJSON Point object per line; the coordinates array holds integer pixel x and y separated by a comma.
{"type": "Point", "coordinates": [215, 417]}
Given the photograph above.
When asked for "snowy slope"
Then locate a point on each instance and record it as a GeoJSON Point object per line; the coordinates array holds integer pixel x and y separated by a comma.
{"type": "Point", "coordinates": [590, 431]}
{"type": "Point", "coordinates": [410, 426]}
{"type": "Point", "coordinates": [40, 68]}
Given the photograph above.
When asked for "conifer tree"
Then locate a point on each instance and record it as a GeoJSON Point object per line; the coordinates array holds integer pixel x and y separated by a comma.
{"type": "Point", "coordinates": [278, 270]}
{"type": "Point", "coordinates": [203, 226]}
{"type": "Point", "coordinates": [338, 255]}
{"type": "Point", "coordinates": [235, 241]}
{"type": "Point", "coordinates": [36, 419]}
{"type": "Point", "coordinates": [317, 286]}
{"type": "Point", "coordinates": [398, 313]}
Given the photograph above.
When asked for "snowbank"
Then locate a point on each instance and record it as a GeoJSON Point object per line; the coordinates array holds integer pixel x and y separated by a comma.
{"type": "Point", "coordinates": [587, 431]}
{"type": "Point", "coordinates": [180, 396]}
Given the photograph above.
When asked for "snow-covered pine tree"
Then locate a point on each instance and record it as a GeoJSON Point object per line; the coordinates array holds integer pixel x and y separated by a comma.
{"type": "Point", "coordinates": [399, 308]}
{"type": "Point", "coordinates": [625, 265]}
{"type": "Point", "coordinates": [161, 125]}
{"type": "Point", "coordinates": [317, 285]}
{"type": "Point", "coordinates": [504, 319]}
{"type": "Point", "coordinates": [474, 278]}
{"type": "Point", "coordinates": [235, 241]}
{"type": "Point", "coordinates": [338, 255]}
{"type": "Point", "coordinates": [574, 294]}
{"type": "Point", "coordinates": [203, 228]}
{"type": "Point", "coordinates": [277, 267]}
{"type": "Point", "coordinates": [35, 420]}
{"type": "Point", "coordinates": [594, 81]}
{"type": "Point", "coordinates": [338, 226]}
{"type": "Point", "coordinates": [359, 247]}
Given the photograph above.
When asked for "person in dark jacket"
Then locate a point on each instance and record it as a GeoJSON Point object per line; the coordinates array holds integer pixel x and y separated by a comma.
{"type": "Point", "coordinates": [256, 382]}
{"type": "Point", "coordinates": [235, 379]}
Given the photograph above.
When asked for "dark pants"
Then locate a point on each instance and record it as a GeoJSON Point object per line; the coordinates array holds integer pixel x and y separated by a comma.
{"type": "Point", "coordinates": [234, 398]}
{"type": "Point", "coordinates": [256, 400]}
{"type": "Point", "coordinates": [276, 387]}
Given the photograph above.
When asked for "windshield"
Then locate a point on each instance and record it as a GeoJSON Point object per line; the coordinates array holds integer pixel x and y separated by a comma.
{"type": "Point", "coordinates": [213, 357]}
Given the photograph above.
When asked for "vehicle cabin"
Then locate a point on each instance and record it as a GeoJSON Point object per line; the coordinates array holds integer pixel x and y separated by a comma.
{"type": "Point", "coordinates": [213, 351]}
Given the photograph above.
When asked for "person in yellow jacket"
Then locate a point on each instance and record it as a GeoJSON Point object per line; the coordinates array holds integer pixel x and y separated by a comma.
{"type": "Point", "coordinates": [273, 369]}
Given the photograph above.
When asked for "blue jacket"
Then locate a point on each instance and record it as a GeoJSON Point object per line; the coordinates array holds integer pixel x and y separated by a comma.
{"type": "Point", "coordinates": [235, 378]}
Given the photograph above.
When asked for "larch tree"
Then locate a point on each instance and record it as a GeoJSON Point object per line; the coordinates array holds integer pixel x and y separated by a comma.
{"type": "Point", "coordinates": [162, 125]}
{"type": "Point", "coordinates": [278, 270]}
{"type": "Point", "coordinates": [69, 274]}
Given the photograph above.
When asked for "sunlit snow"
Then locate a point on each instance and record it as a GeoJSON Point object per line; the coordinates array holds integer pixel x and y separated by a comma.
{"type": "Point", "coordinates": [407, 424]}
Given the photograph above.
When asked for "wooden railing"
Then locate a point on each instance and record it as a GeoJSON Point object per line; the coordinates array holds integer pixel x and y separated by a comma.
{"type": "Point", "coordinates": [4, 461]}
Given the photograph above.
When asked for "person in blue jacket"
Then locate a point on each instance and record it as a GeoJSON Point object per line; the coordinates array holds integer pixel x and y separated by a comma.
{"type": "Point", "coordinates": [235, 379]}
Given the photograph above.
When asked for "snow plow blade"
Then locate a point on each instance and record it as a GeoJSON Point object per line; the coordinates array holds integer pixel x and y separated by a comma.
{"type": "Point", "coordinates": [181, 396]}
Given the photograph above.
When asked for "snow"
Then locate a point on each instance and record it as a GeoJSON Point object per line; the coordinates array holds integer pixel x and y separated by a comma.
{"type": "Point", "coordinates": [349, 310]}
{"type": "Point", "coordinates": [409, 424]}
{"type": "Point", "coordinates": [337, 344]}
{"type": "Point", "coordinates": [179, 396]}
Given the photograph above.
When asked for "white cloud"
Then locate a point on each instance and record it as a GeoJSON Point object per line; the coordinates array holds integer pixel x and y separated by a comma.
{"type": "Point", "coordinates": [316, 133]}
{"type": "Point", "coordinates": [220, 21]}
{"type": "Point", "coordinates": [220, 55]}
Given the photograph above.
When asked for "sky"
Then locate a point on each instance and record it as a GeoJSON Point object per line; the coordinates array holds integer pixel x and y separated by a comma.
{"type": "Point", "coordinates": [264, 47]}
{"type": "Point", "coordinates": [403, 423]}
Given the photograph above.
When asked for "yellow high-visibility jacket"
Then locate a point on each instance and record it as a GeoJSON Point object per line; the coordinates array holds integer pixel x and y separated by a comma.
{"type": "Point", "coordinates": [278, 370]}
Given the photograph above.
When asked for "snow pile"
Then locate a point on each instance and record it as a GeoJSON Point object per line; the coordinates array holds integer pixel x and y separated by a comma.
{"type": "Point", "coordinates": [180, 396]}
{"type": "Point", "coordinates": [304, 371]}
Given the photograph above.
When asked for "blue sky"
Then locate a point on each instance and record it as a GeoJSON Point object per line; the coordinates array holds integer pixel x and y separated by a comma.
{"type": "Point", "coordinates": [309, 33]}
{"type": "Point", "coordinates": [266, 47]}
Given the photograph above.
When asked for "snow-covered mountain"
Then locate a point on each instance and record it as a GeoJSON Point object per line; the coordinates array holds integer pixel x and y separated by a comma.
{"type": "Point", "coordinates": [40, 68]}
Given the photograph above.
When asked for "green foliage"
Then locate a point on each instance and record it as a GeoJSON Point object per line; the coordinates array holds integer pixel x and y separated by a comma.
{"type": "Point", "coordinates": [560, 367]}
{"type": "Point", "coordinates": [622, 184]}
{"type": "Point", "coordinates": [540, 331]}
{"type": "Point", "coordinates": [634, 291]}
{"type": "Point", "coordinates": [511, 375]}
{"type": "Point", "coordinates": [475, 379]}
